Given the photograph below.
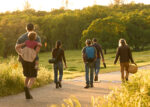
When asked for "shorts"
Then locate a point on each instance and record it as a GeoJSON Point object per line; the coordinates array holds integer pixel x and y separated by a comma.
{"type": "Point", "coordinates": [29, 69]}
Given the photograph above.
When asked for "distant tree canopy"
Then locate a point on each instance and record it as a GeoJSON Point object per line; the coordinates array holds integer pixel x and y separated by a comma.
{"type": "Point", "coordinates": [106, 23]}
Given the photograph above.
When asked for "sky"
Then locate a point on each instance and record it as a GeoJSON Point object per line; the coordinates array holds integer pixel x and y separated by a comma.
{"type": "Point", "coordinates": [48, 5]}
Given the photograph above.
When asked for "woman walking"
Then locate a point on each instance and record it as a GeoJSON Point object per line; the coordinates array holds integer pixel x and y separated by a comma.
{"type": "Point", "coordinates": [59, 55]}
{"type": "Point", "coordinates": [125, 55]}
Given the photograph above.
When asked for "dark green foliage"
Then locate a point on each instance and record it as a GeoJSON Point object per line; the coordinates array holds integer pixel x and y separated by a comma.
{"type": "Point", "coordinates": [107, 23]}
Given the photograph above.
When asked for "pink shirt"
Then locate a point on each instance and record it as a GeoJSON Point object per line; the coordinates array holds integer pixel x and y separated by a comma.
{"type": "Point", "coordinates": [31, 44]}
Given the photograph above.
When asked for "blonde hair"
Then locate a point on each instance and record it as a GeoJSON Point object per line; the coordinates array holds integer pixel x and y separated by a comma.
{"type": "Point", "coordinates": [32, 35]}
{"type": "Point", "coordinates": [122, 42]}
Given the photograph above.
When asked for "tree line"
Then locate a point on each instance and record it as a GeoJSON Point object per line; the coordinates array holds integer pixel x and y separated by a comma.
{"type": "Point", "coordinates": [72, 27]}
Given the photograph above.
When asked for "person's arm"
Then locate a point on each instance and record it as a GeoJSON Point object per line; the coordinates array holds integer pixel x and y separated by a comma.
{"type": "Point", "coordinates": [52, 53]}
{"type": "Point", "coordinates": [95, 54]}
{"type": "Point", "coordinates": [130, 56]}
{"type": "Point", "coordinates": [38, 47]}
{"type": "Point", "coordinates": [83, 55]}
{"type": "Point", "coordinates": [20, 45]}
{"type": "Point", "coordinates": [102, 55]}
{"type": "Point", "coordinates": [39, 44]}
{"type": "Point", "coordinates": [64, 59]}
{"type": "Point", "coordinates": [18, 48]}
{"type": "Point", "coordinates": [117, 56]}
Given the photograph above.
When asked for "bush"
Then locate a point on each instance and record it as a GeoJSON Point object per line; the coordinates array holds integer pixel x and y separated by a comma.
{"type": "Point", "coordinates": [12, 79]}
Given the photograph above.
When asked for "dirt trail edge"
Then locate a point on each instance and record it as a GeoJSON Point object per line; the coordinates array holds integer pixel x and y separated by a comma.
{"type": "Point", "coordinates": [47, 95]}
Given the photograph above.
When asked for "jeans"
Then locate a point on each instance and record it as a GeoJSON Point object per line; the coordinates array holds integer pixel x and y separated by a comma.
{"type": "Point", "coordinates": [58, 67]}
{"type": "Point", "coordinates": [89, 67]}
{"type": "Point", "coordinates": [97, 66]}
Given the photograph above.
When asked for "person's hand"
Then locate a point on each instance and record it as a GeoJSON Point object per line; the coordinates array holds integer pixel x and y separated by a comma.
{"type": "Point", "coordinates": [65, 66]}
{"type": "Point", "coordinates": [103, 60]}
{"type": "Point", "coordinates": [115, 62]}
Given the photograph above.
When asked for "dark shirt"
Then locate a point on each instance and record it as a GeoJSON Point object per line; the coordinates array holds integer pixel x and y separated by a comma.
{"type": "Point", "coordinates": [99, 50]}
{"type": "Point", "coordinates": [61, 55]}
{"type": "Point", "coordinates": [124, 53]}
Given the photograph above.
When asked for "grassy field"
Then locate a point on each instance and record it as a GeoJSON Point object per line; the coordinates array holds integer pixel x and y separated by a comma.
{"type": "Point", "coordinates": [11, 71]}
{"type": "Point", "coordinates": [76, 66]}
{"type": "Point", "coordinates": [12, 79]}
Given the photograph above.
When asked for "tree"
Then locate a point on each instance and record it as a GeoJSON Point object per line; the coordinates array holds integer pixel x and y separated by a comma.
{"type": "Point", "coordinates": [2, 45]}
{"type": "Point", "coordinates": [107, 31]}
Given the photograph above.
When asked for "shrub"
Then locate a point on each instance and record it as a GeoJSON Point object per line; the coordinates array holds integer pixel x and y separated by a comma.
{"type": "Point", "coordinates": [12, 79]}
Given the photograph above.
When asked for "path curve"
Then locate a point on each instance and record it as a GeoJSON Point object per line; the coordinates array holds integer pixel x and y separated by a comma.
{"type": "Point", "coordinates": [47, 95]}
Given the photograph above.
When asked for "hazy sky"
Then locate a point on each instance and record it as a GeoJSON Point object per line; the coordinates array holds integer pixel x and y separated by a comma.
{"type": "Point", "coordinates": [47, 5]}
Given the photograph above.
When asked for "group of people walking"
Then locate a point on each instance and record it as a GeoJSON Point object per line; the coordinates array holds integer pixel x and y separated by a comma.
{"type": "Point", "coordinates": [28, 46]}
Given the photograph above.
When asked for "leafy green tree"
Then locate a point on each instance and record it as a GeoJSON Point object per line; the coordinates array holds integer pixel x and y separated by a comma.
{"type": "Point", "coordinates": [107, 31]}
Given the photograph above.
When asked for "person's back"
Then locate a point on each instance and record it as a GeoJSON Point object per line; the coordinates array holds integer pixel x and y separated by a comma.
{"type": "Point", "coordinates": [59, 51]}
{"type": "Point", "coordinates": [124, 52]}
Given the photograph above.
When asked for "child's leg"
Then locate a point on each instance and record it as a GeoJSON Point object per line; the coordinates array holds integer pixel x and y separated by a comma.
{"type": "Point", "coordinates": [36, 64]}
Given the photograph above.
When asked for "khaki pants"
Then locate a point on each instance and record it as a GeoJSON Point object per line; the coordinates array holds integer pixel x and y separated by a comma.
{"type": "Point", "coordinates": [124, 66]}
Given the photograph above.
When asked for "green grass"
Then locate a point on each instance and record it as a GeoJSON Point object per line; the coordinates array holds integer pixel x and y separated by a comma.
{"type": "Point", "coordinates": [76, 65]}
{"type": "Point", "coordinates": [12, 79]}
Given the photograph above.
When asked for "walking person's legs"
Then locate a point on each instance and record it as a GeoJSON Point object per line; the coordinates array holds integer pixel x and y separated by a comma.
{"type": "Point", "coordinates": [28, 84]}
{"type": "Point", "coordinates": [91, 74]}
{"type": "Point", "coordinates": [87, 75]}
{"type": "Point", "coordinates": [31, 82]}
{"type": "Point", "coordinates": [122, 71]}
{"type": "Point", "coordinates": [97, 68]}
{"type": "Point", "coordinates": [127, 72]}
{"type": "Point", "coordinates": [56, 75]}
{"type": "Point", "coordinates": [60, 74]}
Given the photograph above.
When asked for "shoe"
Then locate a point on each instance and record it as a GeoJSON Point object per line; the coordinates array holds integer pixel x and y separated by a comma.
{"type": "Point", "coordinates": [96, 78]}
{"type": "Point", "coordinates": [59, 84]}
{"type": "Point", "coordinates": [27, 93]}
{"type": "Point", "coordinates": [92, 85]}
{"type": "Point", "coordinates": [87, 86]}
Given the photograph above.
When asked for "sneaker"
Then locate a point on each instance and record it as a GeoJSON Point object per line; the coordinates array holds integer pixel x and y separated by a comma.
{"type": "Point", "coordinates": [92, 85]}
{"type": "Point", "coordinates": [87, 86]}
{"type": "Point", "coordinates": [59, 84]}
{"type": "Point", "coordinates": [27, 93]}
{"type": "Point", "coordinates": [96, 78]}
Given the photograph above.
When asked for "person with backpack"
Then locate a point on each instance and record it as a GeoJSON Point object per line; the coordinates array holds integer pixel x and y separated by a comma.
{"type": "Point", "coordinates": [99, 56]}
{"type": "Point", "coordinates": [59, 55]}
{"type": "Point", "coordinates": [125, 55]}
{"type": "Point", "coordinates": [89, 54]}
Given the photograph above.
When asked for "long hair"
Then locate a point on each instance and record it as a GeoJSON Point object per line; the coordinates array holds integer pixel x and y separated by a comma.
{"type": "Point", "coordinates": [122, 42]}
{"type": "Point", "coordinates": [58, 44]}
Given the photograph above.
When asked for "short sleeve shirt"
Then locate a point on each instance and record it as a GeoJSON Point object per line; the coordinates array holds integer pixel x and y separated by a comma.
{"type": "Point", "coordinates": [31, 44]}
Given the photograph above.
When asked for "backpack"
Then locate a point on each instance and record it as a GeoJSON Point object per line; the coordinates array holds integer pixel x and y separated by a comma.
{"type": "Point", "coordinates": [90, 53]}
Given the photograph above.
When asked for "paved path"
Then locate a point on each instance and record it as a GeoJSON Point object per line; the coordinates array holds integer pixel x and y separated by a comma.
{"type": "Point", "coordinates": [47, 95]}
